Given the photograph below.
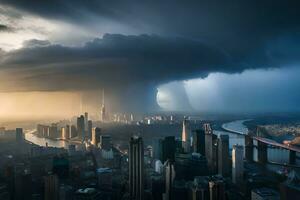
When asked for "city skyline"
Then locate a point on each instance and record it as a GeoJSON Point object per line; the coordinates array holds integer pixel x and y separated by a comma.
{"type": "Point", "coordinates": [149, 100]}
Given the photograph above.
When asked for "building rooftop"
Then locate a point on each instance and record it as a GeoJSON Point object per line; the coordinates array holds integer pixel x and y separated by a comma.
{"type": "Point", "coordinates": [266, 192]}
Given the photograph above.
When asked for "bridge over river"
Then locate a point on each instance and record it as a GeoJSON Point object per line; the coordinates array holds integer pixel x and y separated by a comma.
{"type": "Point", "coordinates": [264, 150]}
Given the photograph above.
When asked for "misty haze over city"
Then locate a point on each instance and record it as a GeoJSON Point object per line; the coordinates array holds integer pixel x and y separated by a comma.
{"type": "Point", "coordinates": [149, 100]}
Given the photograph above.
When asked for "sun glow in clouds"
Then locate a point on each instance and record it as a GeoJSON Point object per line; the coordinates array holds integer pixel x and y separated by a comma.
{"type": "Point", "coordinates": [31, 105]}
{"type": "Point", "coordinates": [22, 26]}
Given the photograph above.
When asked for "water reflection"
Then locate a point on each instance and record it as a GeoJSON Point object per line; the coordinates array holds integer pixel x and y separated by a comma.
{"type": "Point", "coordinates": [42, 141]}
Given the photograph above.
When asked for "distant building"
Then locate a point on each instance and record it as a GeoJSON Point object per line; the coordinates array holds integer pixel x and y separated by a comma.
{"type": "Point", "coordinates": [168, 148]}
{"type": "Point", "coordinates": [248, 148]}
{"type": "Point", "coordinates": [67, 132]}
{"type": "Point", "coordinates": [136, 168]}
{"type": "Point", "coordinates": [158, 166]}
{"type": "Point", "coordinates": [65, 192]}
{"type": "Point", "coordinates": [188, 166]}
{"type": "Point", "coordinates": [43, 130]}
{"type": "Point", "coordinates": [103, 110]}
{"type": "Point", "coordinates": [51, 187]}
{"type": "Point", "coordinates": [264, 194]}
{"type": "Point", "coordinates": [86, 119]}
{"type": "Point", "coordinates": [217, 190]}
{"type": "Point", "coordinates": [2, 130]}
{"type": "Point", "coordinates": [96, 134]}
{"type": "Point", "coordinates": [157, 148]}
{"type": "Point", "coordinates": [131, 118]}
{"type": "Point", "coordinates": [237, 164]}
{"type": "Point", "coordinates": [63, 132]}
{"type": "Point", "coordinates": [179, 190]}
{"type": "Point", "coordinates": [104, 178]}
{"type": "Point", "coordinates": [53, 131]}
{"type": "Point", "coordinates": [170, 177]}
{"type": "Point", "coordinates": [61, 167]}
{"type": "Point", "coordinates": [19, 135]}
{"type": "Point", "coordinates": [210, 149]}
{"type": "Point", "coordinates": [186, 136]}
{"type": "Point", "coordinates": [71, 149]}
{"type": "Point", "coordinates": [223, 155]}
{"type": "Point", "coordinates": [81, 127]}
{"type": "Point", "coordinates": [290, 189]}
{"type": "Point", "coordinates": [198, 189]}
{"type": "Point", "coordinates": [22, 183]}
{"type": "Point", "coordinates": [199, 141]}
{"type": "Point", "coordinates": [89, 129]}
{"type": "Point", "coordinates": [107, 154]}
{"type": "Point", "coordinates": [73, 131]}
{"type": "Point", "coordinates": [105, 142]}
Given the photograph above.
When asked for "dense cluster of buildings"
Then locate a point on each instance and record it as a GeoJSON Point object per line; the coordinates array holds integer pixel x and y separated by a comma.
{"type": "Point", "coordinates": [198, 165]}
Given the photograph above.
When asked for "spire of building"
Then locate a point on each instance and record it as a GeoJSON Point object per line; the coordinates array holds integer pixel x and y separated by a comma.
{"type": "Point", "coordinates": [103, 98]}
{"type": "Point", "coordinates": [103, 114]}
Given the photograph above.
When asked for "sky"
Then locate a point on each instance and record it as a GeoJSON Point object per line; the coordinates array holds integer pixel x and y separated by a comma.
{"type": "Point", "coordinates": [233, 56]}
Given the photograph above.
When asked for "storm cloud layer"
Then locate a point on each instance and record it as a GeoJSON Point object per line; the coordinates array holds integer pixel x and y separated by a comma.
{"type": "Point", "coordinates": [114, 61]}
{"type": "Point", "coordinates": [149, 44]}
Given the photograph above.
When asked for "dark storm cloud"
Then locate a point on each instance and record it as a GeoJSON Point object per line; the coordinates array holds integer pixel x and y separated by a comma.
{"type": "Point", "coordinates": [196, 38]}
{"type": "Point", "coordinates": [130, 67]}
{"type": "Point", "coordinates": [36, 43]}
{"type": "Point", "coordinates": [115, 60]}
{"type": "Point", "coordinates": [242, 29]}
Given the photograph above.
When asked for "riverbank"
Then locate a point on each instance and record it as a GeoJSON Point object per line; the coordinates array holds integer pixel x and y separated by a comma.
{"type": "Point", "coordinates": [237, 127]}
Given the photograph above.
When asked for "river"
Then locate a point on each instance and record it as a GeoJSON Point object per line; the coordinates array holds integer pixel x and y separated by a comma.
{"type": "Point", "coordinates": [29, 136]}
{"type": "Point", "coordinates": [276, 155]}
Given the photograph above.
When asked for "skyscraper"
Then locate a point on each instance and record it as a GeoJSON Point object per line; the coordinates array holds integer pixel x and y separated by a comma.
{"type": "Point", "coordinates": [237, 163]}
{"type": "Point", "coordinates": [170, 177]}
{"type": "Point", "coordinates": [168, 148]}
{"type": "Point", "coordinates": [89, 129]}
{"type": "Point", "coordinates": [63, 132]}
{"type": "Point", "coordinates": [19, 135]}
{"type": "Point", "coordinates": [136, 168]}
{"type": "Point", "coordinates": [53, 131]}
{"type": "Point", "coordinates": [73, 132]}
{"type": "Point", "coordinates": [103, 111]}
{"type": "Point", "coordinates": [22, 183]}
{"type": "Point", "coordinates": [80, 127]}
{"type": "Point", "coordinates": [86, 119]}
{"type": "Point", "coordinates": [199, 141]}
{"type": "Point", "coordinates": [67, 132]}
{"type": "Point", "coordinates": [223, 155]}
{"type": "Point", "coordinates": [186, 136]}
{"type": "Point", "coordinates": [96, 136]}
{"type": "Point", "coordinates": [51, 187]}
{"type": "Point", "coordinates": [248, 148]}
{"type": "Point", "coordinates": [105, 142]}
{"type": "Point", "coordinates": [210, 148]}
